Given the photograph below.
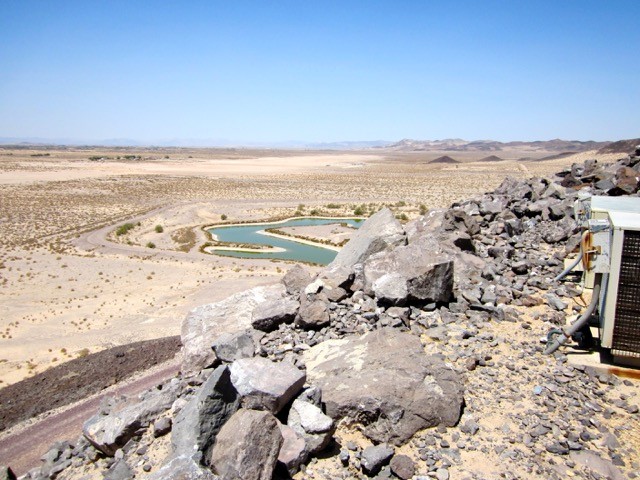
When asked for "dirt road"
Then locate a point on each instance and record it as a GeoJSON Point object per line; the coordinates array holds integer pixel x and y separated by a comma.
{"type": "Point", "coordinates": [22, 446]}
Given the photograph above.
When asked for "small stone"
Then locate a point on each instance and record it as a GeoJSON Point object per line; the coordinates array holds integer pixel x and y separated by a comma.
{"type": "Point", "coordinates": [442, 474]}
{"type": "Point", "coordinates": [374, 458]}
{"type": "Point", "coordinates": [403, 467]}
{"type": "Point", "coordinates": [161, 427]}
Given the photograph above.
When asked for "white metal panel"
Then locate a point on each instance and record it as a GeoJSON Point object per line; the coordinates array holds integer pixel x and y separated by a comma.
{"type": "Point", "coordinates": [619, 204]}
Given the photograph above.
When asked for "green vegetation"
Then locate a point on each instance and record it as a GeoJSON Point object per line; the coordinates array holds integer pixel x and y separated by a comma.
{"type": "Point", "coordinates": [423, 209]}
{"type": "Point", "coordinates": [314, 212]}
{"type": "Point", "coordinates": [151, 245]}
{"type": "Point", "coordinates": [333, 205]}
{"type": "Point", "coordinates": [124, 229]}
{"type": "Point", "coordinates": [223, 217]}
{"type": "Point", "coordinates": [358, 210]}
{"type": "Point", "coordinates": [159, 229]}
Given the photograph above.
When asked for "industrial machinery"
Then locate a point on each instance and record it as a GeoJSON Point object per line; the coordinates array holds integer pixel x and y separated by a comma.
{"type": "Point", "coordinates": [610, 258]}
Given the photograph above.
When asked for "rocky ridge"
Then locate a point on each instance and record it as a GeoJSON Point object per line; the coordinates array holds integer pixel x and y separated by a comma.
{"type": "Point", "coordinates": [415, 354]}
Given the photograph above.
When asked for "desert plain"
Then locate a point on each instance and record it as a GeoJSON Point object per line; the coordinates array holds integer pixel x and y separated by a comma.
{"type": "Point", "coordinates": [69, 285]}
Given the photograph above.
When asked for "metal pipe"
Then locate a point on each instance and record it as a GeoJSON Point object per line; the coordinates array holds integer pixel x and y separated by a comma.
{"type": "Point", "coordinates": [566, 271]}
{"type": "Point", "coordinates": [578, 324]}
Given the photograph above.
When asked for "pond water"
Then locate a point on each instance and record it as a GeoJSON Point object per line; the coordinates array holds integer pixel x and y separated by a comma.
{"type": "Point", "coordinates": [249, 234]}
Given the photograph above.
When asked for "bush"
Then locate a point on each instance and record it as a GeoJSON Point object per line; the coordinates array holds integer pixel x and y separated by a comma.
{"type": "Point", "coordinates": [223, 217]}
{"type": "Point", "coordinates": [124, 229]}
{"type": "Point", "coordinates": [314, 212]}
{"type": "Point", "coordinates": [151, 245]}
{"type": "Point", "coordinates": [159, 229]}
{"type": "Point", "coordinates": [333, 205]}
{"type": "Point", "coordinates": [358, 211]}
{"type": "Point", "coordinates": [423, 209]}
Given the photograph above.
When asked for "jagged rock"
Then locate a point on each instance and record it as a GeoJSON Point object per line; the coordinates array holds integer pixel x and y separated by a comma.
{"type": "Point", "coordinates": [384, 381]}
{"type": "Point", "coordinates": [293, 451]}
{"type": "Point", "coordinates": [409, 273]}
{"type": "Point", "coordinates": [268, 315]}
{"type": "Point", "coordinates": [6, 473]}
{"type": "Point", "coordinates": [247, 446]}
{"type": "Point", "coordinates": [197, 424]}
{"type": "Point", "coordinates": [230, 347]}
{"type": "Point", "coordinates": [313, 315]}
{"type": "Point", "coordinates": [204, 324]}
{"type": "Point", "coordinates": [379, 232]}
{"type": "Point", "coordinates": [376, 457]}
{"type": "Point", "coordinates": [264, 384]}
{"type": "Point", "coordinates": [296, 279]}
{"type": "Point", "coordinates": [335, 294]}
{"type": "Point", "coordinates": [161, 427]}
{"type": "Point", "coordinates": [626, 181]}
{"type": "Point", "coordinates": [109, 432]}
{"type": "Point", "coordinates": [120, 470]}
{"type": "Point", "coordinates": [183, 467]}
{"type": "Point", "coordinates": [403, 467]}
{"type": "Point", "coordinates": [311, 424]}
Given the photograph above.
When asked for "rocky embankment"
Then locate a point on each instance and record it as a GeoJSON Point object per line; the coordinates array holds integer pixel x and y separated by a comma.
{"type": "Point", "coordinates": [415, 354]}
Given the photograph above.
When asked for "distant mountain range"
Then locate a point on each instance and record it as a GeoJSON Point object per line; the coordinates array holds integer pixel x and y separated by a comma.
{"type": "Point", "coordinates": [459, 145]}
{"type": "Point", "coordinates": [406, 145]}
{"type": "Point", "coordinates": [195, 143]}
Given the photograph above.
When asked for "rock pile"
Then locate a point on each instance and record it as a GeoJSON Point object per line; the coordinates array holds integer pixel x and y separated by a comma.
{"type": "Point", "coordinates": [415, 337]}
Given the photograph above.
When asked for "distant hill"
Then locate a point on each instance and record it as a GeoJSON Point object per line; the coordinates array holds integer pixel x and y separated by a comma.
{"type": "Point", "coordinates": [491, 158]}
{"type": "Point", "coordinates": [459, 145]}
{"type": "Point", "coordinates": [622, 146]}
{"type": "Point", "coordinates": [557, 156]}
{"type": "Point", "coordinates": [444, 159]}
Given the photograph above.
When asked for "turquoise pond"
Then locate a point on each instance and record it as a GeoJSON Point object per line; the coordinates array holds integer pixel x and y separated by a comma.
{"type": "Point", "coordinates": [296, 251]}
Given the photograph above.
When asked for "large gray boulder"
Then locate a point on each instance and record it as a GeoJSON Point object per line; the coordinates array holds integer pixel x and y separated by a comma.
{"type": "Point", "coordinates": [197, 424]}
{"type": "Point", "coordinates": [247, 447]}
{"type": "Point", "coordinates": [379, 232]}
{"type": "Point", "coordinates": [311, 424]}
{"type": "Point", "coordinates": [296, 279]}
{"type": "Point", "coordinates": [108, 431]}
{"type": "Point", "coordinates": [267, 316]}
{"type": "Point", "coordinates": [384, 381]}
{"type": "Point", "coordinates": [409, 273]}
{"type": "Point", "coordinates": [313, 315]}
{"type": "Point", "coordinates": [230, 347]}
{"type": "Point", "coordinates": [183, 467]}
{"type": "Point", "coordinates": [266, 385]}
{"type": "Point", "coordinates": [293, 451]}
{"type": "Point", "coordinates": [204, 324]}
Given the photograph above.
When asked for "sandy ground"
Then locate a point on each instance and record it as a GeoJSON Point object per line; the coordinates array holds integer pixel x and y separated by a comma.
{"type": "Point", "coordinates": [69, 285]}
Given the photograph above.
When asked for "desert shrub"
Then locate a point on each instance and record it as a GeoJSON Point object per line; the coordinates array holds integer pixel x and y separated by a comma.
{"type": "Point", "coordinates": [223, 217]}
{"type": "Point", "coordinates": [333, 205]}
{"type": "Point", "coordinates": [403, 217]}
{"type": "Point", "coordinates": [314, 212]}
{"type": "Point", "coordinates": [159, 229]}
{"type": "Point", "coordinates": [401, 203]}
{"type": "Point", "coordinates": [423, 209]}
{"type": "Point", "coordinates": [124, 229]}
{"type": "Point", "coordinates": [151, 245]}
{"type": "Point", "coordinates": [358, 211]}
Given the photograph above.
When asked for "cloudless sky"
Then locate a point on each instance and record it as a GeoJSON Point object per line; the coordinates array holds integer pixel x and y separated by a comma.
{"type": "Point", "coordinates": [269, 71]}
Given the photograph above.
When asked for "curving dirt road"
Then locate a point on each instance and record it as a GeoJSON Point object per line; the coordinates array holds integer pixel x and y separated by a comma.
{"type": "Point", "coordinates": [22, 446]}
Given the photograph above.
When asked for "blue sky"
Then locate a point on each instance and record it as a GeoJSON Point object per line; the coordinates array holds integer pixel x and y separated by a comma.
{"type": "Point", "coordinates": [320, 70]}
